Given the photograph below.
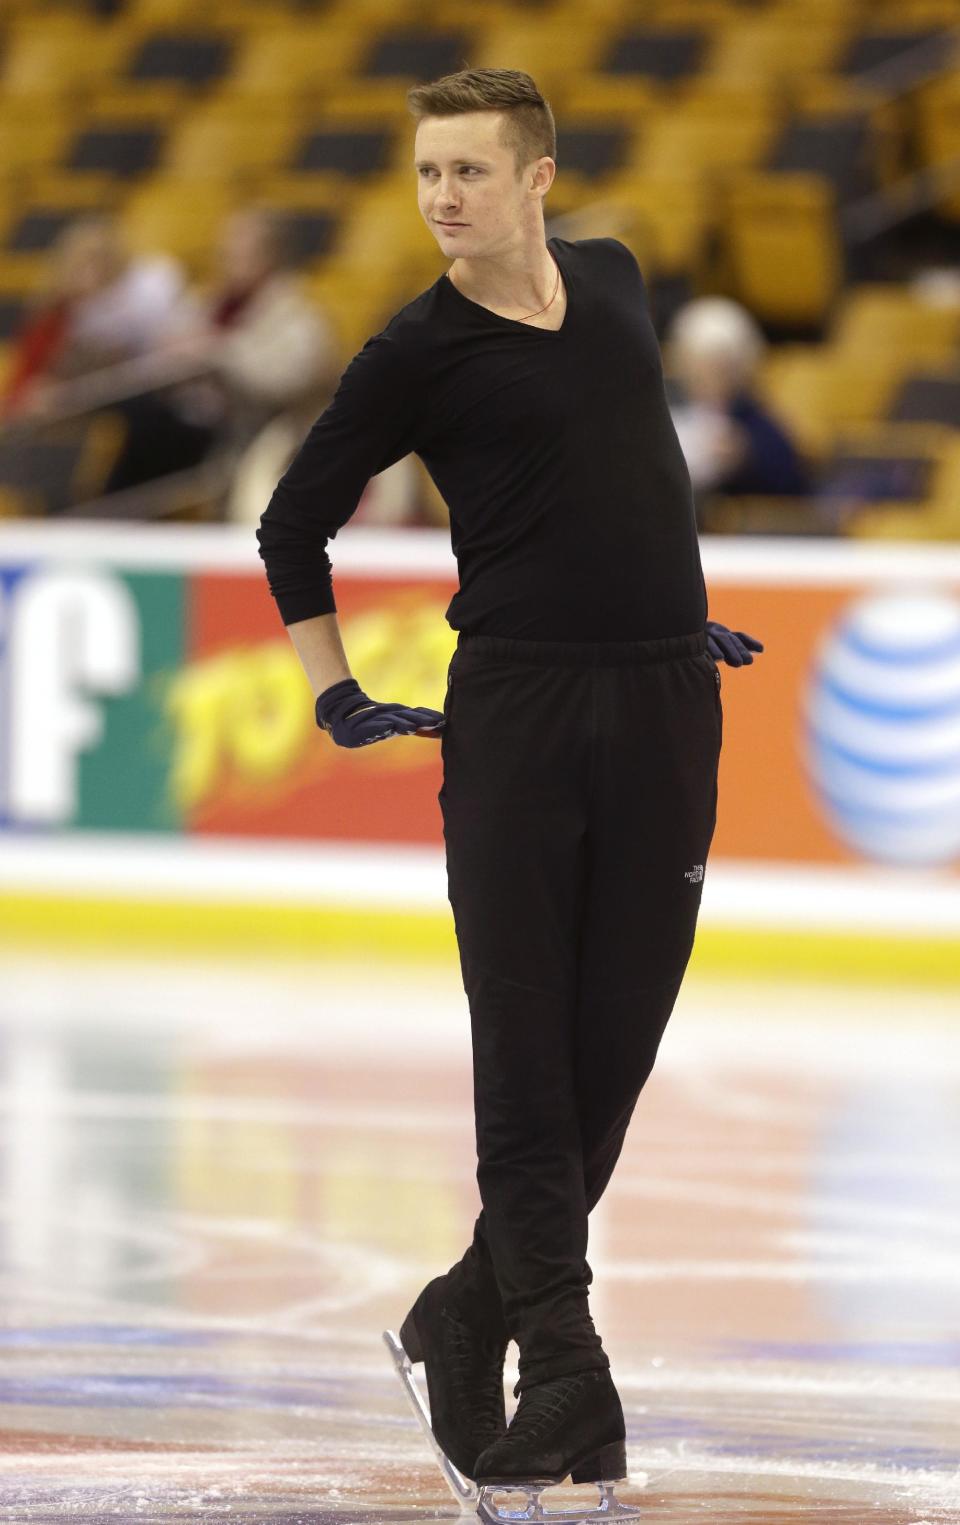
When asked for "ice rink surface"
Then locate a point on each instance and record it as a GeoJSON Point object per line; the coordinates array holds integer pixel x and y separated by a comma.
{"type": "Point", "coordinates": [221, 1182]}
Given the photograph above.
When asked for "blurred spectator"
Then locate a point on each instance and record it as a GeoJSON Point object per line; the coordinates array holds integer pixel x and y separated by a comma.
{"type": "Point", "coordinates": [255, 327]}
{"type": "Point", "coordinates": [100, 305]}
{"type": "Point", "coordinates": [731, 444]}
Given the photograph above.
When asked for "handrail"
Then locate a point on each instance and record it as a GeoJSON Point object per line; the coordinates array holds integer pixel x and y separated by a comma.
{"type": "Point", "coordinates": [106, 386]}
{"type": "Point", "coordinates": [875, 213]}
{"type": "Point", "coordinates": [901, 73]}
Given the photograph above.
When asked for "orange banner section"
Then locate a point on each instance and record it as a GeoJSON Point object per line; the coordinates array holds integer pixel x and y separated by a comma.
{"type": "Point", "coordinates": [841, 741]}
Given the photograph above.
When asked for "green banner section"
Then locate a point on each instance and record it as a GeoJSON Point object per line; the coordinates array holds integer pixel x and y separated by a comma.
{"type": "Point", "coordinates": [124, 782]}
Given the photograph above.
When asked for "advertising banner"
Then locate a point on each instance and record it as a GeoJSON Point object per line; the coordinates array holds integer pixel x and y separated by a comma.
{"type": "Point", "coordinates": [147, 686]}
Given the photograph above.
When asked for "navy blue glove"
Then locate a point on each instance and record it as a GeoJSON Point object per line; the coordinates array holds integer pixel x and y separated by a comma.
{"type": "Point", "coordinates": [354, 720]}
{"type": "Point", "coordinates": [730, 646]}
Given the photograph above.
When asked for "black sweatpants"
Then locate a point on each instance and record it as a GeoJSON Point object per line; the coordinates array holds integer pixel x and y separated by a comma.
{"type": "Point", "coordinates": [579, 802]}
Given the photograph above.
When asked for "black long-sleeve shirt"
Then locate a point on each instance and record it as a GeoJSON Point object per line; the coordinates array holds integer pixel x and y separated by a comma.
{"type": "Point", "coordinates": [571, 511]}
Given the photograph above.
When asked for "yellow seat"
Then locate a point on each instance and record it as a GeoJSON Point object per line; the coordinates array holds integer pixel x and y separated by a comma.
{"type": "Point", "coordinates": [781, 245]}
{"type": "Point", "coordinates": [818, 389]}
{"type": "Point", "coordinates": [690, 138]}
{"type": "Point", "coordinates": [890, 14]}
{"type": "Point", "coordinates": [358, 301]}
{"type": "Point", "coordinates": [630, 97]}
{"type": "Point", "coordinates": [179, 217]}
{"type": "Point", "coordinates": [384, 230]}
{"type": "Point", "coordinates": [21, 275]}
{"type": "Point", "coordinates": [306, 56]}
{"type": "Point", "coordinates": [140, 101]}
{"type": "Point", "coordinates": [665, 217]}
{"type": "Point", "coordinates": [58, 55]}
{"type": "Point", "coordinates": [35, 135]}
{"type": "Point", "coordinates": [377, 101]}
{"type": "Point", "coordinates": [221, 142]}
{"type": "Point", "coordinates": [883, 320]}
{"type": "Point", "coordinates": [938, 116]}
{"type": "Point", "coordinates": [369, 16]}
{"type": "Point", "coordinates": [550, 54]}
{"type": "Point", "coordinates": [778, 49]}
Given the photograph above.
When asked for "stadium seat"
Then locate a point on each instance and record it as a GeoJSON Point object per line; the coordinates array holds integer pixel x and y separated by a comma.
{"type": "Point", "coordinates": [663, 53]}
{"type": "Point", "coordinates": [687, 139]}
{"type": "Point", "coordinates": [351, 151]}
{"type": "Point", "coordinates": [123, 150]}
{"type": "Point", "coordinates": [937, 516]}
{"type": "Point", "coordinates": [223, 141]}
{"type": "Point", "coordinates": [34, 134]}
{"type": "Point", "coordinates": [837, 148]}
{"type": "Point", "coordinates": [605, 96]}
{"type": "Point", "coordinates": [375, 102]}
{"type": "Point", "coordinates": [414, 54]}
{"type": "Point", "coordinates": [59, 55]}
{"type": "Point", "coordinates": [875, 48]}
{"type": "Point", "coordinates": [785, 259]}
{"type": "Point", "coordinates": [818, 389]}
{"type": "Point", "coordinates": [877, 462]}
{"type": "Point", "coordinates": [288, 63]}
{"type": "Point", "coordinates": [593, 149]}
{"type": "Point", "coordinates": [928, 397]}
{"type": "Point", "coordinates": [938, 126]}
{"type": "Point", "coordinates": [553, 58]}
{"type": "Point", "coordinates": [178, 217]}
{"type": "Point", "coordinates": [48, 206]}
{"type": "Point", "coordinates": [881, 318]}
{"type": "Point", "coordinates": [777, 47]}
{"type": "Point", "coordinates": [663, 216]}
{"type": "Point", "coordinates": [357, 300]}
{"type": "Point", "coordinates": [174, 55]}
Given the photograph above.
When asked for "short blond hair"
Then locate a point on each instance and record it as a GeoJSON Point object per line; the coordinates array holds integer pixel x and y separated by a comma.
{"type": "Point", "coordinates": [528, 128]}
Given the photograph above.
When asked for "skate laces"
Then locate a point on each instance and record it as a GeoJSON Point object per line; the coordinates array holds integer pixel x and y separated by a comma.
{"type": "Point", "coordinates": [479, 1382]}
{"type": "Point", "coordinates": [543, 1407]}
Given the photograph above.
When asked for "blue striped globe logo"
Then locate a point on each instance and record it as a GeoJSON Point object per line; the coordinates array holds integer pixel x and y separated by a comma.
{"type": "Point", "coordinates": [882, 726]}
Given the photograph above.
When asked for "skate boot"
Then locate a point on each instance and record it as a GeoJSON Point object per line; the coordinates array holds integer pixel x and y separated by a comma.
{"type": "Point", "coordinates": [464, 1371]}
{"type": "Point", "coordinates": [567, 1426]}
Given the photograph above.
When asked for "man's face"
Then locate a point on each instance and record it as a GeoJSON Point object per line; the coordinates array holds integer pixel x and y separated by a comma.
{"type": "Point", "coordinates": [467, 186]}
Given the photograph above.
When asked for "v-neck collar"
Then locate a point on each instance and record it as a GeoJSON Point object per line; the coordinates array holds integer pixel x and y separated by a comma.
{"type": "Point", "coordinates": [497, 317]}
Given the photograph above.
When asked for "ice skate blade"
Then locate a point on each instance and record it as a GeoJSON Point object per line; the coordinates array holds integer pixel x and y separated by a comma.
{"type": "Point", "coordinates": [532, 1511]}
{"type": "Point", "coordinates": [464, 1491]}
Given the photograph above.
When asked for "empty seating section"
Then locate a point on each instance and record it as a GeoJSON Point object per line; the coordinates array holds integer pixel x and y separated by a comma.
{"type": "Point", "coordinates": [721, 139]}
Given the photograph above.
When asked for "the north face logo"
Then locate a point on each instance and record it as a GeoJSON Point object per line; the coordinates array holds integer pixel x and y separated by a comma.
{"type": "Point", "coordinates": [695, 874]}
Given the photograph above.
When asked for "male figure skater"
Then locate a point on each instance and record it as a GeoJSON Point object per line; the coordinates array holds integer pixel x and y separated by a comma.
{"type": "Point", "coordinates": [580, 735]}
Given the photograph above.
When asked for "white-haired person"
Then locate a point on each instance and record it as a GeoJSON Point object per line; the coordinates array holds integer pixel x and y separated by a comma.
{"type": "Point", "coordinates": [731, 442]}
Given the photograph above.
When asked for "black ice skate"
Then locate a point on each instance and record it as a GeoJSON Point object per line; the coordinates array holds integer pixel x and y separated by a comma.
{"type": "Point", "coordinates": [464, 1371]}
{"type": "Point", "coordinates": [566, 1427]}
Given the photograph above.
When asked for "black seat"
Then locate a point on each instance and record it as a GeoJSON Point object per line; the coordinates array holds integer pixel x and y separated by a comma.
{"type": "Point", "coordinates": [194, 59]}
{"type": "Point", "coordinates": [12, 309]}
{"type": "Point", "coordinates": [591, 151]}
{"type": "Point", "coordinates": [38, 228]}
{"type": "Point", "coordinates": [928, 397]}
{"type": "Point", "coordinates": [836, 147]}
{"type": "Point", "coordinates": [122, 151]}
{"type": "Point", "coordinates": [872, 50]}
{"type": "Point", "coordinates": [418, 55]}
{"type": "Point", "coordinates": [308, 235]}
{"type": "Point", "coordinates": [660, 54]}
{"type": "Point", "coordinates": [346, 151]}
{"type": "Point", "coordinates": [873, 478]}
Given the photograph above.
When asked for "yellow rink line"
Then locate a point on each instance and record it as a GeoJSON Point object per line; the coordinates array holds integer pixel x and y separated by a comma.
{"type": "Point", "coordinates": [150, 926]}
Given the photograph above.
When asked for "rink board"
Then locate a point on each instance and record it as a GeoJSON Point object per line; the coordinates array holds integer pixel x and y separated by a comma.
{"type": "Point", "coordinates": [160, 767]}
